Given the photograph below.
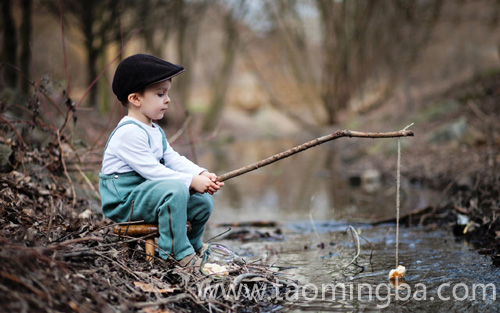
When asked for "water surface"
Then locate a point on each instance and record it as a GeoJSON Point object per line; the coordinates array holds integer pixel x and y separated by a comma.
{"type": "Point", "coordinates": [314, 197]}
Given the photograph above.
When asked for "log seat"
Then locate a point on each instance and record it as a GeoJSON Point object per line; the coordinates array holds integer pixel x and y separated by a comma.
{"type": "Point", "coordinates": [149, 231]}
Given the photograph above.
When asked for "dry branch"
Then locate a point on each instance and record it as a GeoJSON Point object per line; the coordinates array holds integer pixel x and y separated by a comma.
{"type": "Point", "coordinates": [310, 144]}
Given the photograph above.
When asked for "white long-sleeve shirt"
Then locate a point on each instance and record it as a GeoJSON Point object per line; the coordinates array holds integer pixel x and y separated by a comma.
{"type": "Point", "coordinates": [129, 150]}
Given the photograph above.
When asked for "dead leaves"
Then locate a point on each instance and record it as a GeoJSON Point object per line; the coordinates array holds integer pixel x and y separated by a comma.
{"type": "Point", "coordinates": [145, 287]}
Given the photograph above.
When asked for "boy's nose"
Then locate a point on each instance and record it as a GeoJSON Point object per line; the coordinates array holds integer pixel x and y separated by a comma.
{"type": "Point", "coordinates": [167, 99]}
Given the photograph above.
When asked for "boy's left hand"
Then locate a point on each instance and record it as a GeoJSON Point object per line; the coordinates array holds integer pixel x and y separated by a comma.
{"type": "Point", "coordinates": [213, 177]}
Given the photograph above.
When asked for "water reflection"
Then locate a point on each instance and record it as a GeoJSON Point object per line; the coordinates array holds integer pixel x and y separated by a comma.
{"type": "Point", "coordinates": [314, 183]}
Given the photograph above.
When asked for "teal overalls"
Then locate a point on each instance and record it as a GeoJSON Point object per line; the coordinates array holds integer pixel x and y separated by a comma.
{"type": "Point", "coordinates": [166, 202]}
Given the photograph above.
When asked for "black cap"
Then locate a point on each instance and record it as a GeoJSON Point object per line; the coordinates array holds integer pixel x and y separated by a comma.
{"type": "Point", "coordinates": [141, 70]}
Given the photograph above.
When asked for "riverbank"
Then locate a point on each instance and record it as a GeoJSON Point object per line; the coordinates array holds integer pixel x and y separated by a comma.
{"type": "Point", "coordinates": [456, 151]}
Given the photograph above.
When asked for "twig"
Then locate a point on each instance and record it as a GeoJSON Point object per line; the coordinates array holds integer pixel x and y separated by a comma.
{"type": "Point", "coordinates": [217, 236]}
{"type": "Point", "coordinates": [15, 131]}
{"type": "Point", "coordinates": [64, 48]}
{"type": "Point", "coordinates": [51, 217]}
{"type": "Point", "coordinates": [15, 279]}
{"type": "Point", "coordinates": [87, 181]}
{"type": "Point", "coordinates": [310, 144]}
{"type": "Point", "coordinates": [240, 277]}
{"type": "Point", "coordinates": [191, 143]}
{"type": "Point", "coordinates": [118, 263]}
{"type": "Point", "coordinates": [65, 170]}
{"type": "Point", "coordinates": [371, 247]}
{"type": "Point", "coordinates": [105, 127]}
{"type": "Point", "coordinates": [73, 241]}
{"type": "Point", "coordinates": [312, 222]}
{"type": "Point", "coordinates": [143, 240]}
{"type": "Point", "coordinates": [181, 130]}
{"type": "Point", "coordinates": [358, 249]}
{"type": "Point", "coordinates": [176, 298]}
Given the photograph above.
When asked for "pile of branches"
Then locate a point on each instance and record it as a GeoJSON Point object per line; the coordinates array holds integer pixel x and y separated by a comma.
{"type": "Point", "coordinates": [478, 212]}
{"type": "Point", "coordinates": [97, 274]}
{"type": "Point", "coordinates": [58, 256]}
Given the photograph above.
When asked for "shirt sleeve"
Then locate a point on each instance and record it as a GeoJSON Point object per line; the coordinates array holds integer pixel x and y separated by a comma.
{"type": "Point", "coordinates": [135, 151]}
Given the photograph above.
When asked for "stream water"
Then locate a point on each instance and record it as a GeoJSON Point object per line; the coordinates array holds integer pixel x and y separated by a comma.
{"type": "Point", "coordinates": [314, 198]}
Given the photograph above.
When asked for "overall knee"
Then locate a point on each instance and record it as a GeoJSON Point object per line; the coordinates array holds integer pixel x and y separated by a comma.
{"type": "Point", "coordinates": [207, 204]}
{"type": "Point", "coordinates": [175, 190]}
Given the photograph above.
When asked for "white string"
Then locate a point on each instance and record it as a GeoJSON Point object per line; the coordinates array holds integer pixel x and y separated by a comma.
{"type": "Point", "coordinates": [398, 187]}
{"type": "Point", "coordinates": [398, 183]}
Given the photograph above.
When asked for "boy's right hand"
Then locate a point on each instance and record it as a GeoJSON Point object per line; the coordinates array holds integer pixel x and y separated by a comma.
{"type": "Point", "coordinates": [202, 184]}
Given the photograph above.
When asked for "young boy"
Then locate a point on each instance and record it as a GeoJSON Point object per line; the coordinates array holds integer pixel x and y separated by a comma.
{"type": "Point", "coordinates": [139, 165]}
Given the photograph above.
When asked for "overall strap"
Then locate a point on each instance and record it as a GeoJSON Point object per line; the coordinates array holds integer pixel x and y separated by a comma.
{"type": "Point", "coordinates": [163, 137]}
{"type": "Point", "coordinates": [126, 123]}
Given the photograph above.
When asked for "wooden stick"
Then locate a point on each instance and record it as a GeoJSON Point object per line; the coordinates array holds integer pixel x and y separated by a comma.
{"type": "Point", "coordinates": [310, 144]}
{"type": "Point", "coordinates": [150, 249]}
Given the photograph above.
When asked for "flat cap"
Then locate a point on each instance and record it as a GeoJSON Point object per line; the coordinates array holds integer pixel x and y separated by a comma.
{"type": "Point", "coordinates": [141, 70]}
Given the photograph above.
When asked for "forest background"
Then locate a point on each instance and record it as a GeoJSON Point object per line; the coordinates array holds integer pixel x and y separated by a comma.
{"type": "Point", "coordinates": [255, 69]}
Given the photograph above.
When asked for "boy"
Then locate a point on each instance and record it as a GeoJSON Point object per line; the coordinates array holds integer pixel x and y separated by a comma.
{"type": "Point", "coordinates": [139, 165]}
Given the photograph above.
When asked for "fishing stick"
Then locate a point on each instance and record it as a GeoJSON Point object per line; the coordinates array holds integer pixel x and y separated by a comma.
{"type": "Point", "coordinates": [310, 144]}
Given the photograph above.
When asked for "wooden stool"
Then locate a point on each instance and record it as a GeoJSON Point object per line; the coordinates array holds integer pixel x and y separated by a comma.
{"type": "Point", "coordinates": [142, 230]}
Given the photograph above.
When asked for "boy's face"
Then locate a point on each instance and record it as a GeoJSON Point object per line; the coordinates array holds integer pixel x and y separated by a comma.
{"type": "Point", "coordinates": [153, 102]}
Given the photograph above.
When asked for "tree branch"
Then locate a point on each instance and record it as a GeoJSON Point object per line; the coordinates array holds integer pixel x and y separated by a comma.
{"type": "Point", "coordinates": [310, 144]}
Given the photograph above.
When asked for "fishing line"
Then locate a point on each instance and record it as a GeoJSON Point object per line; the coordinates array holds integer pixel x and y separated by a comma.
{"type": "Point", "coordinates": [398, 186]}
{"type": "Point", "coordinates": [398, 202]}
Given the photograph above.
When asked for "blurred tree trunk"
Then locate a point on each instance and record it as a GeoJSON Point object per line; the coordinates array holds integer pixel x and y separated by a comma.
{"type": "Point", "coordinates": [185, 58]}
{"type": "Point", "coordinates": [102, 84]}
{"type": "Point", "coordinates": [97, 20]}
{"type": "Point", "coordinates": [87, 21]}
{"type": "Point", "coordinates": [188, 20]}
{"type": "Point", "coordinates": [344, 40]}
{"type": "Point", "coordinates": [221, 81]}
{"type": "Point", "coordinates": [25, 60]}
{"type": "Point", "coordinates": [291, 32]}
{"type": "Point", "coordinates": [9, 49]}
{"type": "Point", "coordinates": [290, 29]}
{"type": "Point", "coordinates": [153, 23]}
{"type": "Point", "coordinates": [326, 9]}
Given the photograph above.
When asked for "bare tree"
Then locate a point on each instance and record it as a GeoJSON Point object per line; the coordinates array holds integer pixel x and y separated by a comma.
{"type": "Point", "coordinates": [291, 32]}
{"type": "Point", "coordinates": [157, 19]}
{"type": "Point", "coordinates": [223, 77]}
{"type": "Point", "coordinates": [188, 17]}
{"type": "Point", "coordinates": [364, 38]}
{"type": "Point", "coordinates": [9, 50]}
{"type": "Point", "coordinates": [97, 20]}
{"type": "Point", "coordinates": [24, 59]}
{"type": "Point", "coordinates": [360, 42]}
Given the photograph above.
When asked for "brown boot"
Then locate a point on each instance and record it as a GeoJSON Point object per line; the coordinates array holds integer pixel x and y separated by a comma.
{"type": "Point", "coordinates": [192, 260]}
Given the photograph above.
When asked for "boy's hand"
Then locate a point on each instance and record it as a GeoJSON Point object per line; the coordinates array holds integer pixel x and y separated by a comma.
{"type": "Point", "coordinates": [206, 182]}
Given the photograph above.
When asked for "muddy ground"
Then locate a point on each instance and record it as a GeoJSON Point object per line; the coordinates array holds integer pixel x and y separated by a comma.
{"type": "Point", "coordinates": [56, 255]}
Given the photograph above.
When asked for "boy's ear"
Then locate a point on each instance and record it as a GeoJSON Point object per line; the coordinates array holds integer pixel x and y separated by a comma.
{"type": "Point", "coordinates": [133, 98]}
